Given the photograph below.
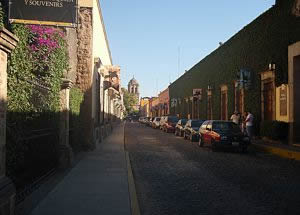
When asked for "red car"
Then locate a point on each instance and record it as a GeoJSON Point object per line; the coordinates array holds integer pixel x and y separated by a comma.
{"type": "Point", "coordinates": [222, 134]}
{"type": "Point", "coordinates": [169, 123]}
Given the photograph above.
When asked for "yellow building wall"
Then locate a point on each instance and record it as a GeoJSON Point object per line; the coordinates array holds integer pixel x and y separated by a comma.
{"type": "Point", "coordinates": [284, 118]}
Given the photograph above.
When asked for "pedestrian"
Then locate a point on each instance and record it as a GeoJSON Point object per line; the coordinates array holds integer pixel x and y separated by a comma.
{"type": "Point", "coordinates": [243, 123]}
{"type": "Point", "coordinates": [235, 117]}
{"type": "Point", "coordinates": [249, 124]}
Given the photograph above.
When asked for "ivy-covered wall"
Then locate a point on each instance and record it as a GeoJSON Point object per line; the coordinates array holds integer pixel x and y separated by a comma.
{"type": "Point", "coordinates": [264, 40]}
{"type": "Point", "coordinates": [35, 69]}
{"type": "Point", "coordinates": [1, 16]}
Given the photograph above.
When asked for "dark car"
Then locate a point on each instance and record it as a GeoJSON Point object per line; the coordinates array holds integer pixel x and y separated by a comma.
{"type": "Point", "coordinates": [149, 122]}
{"type": "Point", "coordinates": [191, 129]}
{"type": "Point", "coordinates": [169, 123]}
{"type": "Point", "coordinates": [179, 128]}
{"type": "Point", "coordinates": [222, 134]}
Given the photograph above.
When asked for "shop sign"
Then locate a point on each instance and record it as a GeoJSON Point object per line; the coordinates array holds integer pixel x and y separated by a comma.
{"type": "Point", "coordinates": [43, 12]}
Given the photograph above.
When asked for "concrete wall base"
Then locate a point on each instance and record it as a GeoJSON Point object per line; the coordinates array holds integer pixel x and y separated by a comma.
{"type": "Point", "coordinates": [65, 156]}
{"type": "Point", "coordinates": [7, 196]}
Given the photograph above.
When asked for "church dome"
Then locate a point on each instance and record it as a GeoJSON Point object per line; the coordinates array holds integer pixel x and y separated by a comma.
{"type": "Point", "coordinates": [133, 81]}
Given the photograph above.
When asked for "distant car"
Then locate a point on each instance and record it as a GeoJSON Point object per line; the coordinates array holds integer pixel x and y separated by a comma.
{"type": "Point", "coordinates": [179, 128]}
{"type": "Point", "coordinates": [223, 134]}
{"type": "Point", "coordinates": [169, 123]}
{"type": "Point", "coordinates": [161, 122]}
{"type": "Point", "coordinates": [155, 122]}
{"type": "Point", "coordinates": [146, 120]}
{"type": "Point", "coordinates": [149, 123]}
{"type": "Point", "coordinates": [191, 129]}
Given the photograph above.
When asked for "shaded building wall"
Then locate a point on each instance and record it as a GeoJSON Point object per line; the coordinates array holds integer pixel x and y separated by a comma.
{"type": "Point", "coordinates": [84, 70]}
{"type": "Point", "coordinates": [263, 41]}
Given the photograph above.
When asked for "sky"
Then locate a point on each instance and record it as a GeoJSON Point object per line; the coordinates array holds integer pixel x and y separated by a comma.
{"type": "Point", "coordinates": [157, 40]}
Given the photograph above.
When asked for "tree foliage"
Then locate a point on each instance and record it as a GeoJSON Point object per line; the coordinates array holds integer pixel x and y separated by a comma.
{"type": "Point", "coordinates": [129, 101]}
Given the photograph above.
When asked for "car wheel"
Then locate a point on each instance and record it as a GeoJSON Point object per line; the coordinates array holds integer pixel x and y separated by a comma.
{"type": "Point", "coordinates": [200, 142]}
{"type": "Point", "coordinates": [191, 138]}
{"type": "Point", "coordinates": [244, 149]}
{"type": "Point", "coordinates": [213, 146]}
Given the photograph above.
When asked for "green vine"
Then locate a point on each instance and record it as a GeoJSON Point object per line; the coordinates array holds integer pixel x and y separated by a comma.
{"type": "Point", "coordinates": [28, 66]}
{"type": "Point", "coordinates": [1, 16]}
{"type": "Point", "coordinates": [76, 98]}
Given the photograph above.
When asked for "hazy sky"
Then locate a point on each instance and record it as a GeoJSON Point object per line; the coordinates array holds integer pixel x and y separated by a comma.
{"type": "Point", "coordinates": [157, 40]}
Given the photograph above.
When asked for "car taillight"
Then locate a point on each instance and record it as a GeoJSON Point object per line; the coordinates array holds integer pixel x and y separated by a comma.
{"type": "Point", "coordinates": [218, 138]}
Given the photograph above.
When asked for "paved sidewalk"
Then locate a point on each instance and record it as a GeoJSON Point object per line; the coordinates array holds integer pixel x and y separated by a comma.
{"type": "Point", "coordinates": [98, 184]}
{"type": "Point", "coordinates": [279, 149]}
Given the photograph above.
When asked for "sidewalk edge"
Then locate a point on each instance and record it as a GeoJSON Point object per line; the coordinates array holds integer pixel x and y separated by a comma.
{"type": "Point", "coordinates": [285, 153]}
{"type": "Point", "coordinates": [135, 208]}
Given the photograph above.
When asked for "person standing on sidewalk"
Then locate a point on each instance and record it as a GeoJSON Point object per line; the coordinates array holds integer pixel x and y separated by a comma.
{"type": "Point", "coordinates": [249, 124]}
{"type": "Point", "coordinates": [235, 117]}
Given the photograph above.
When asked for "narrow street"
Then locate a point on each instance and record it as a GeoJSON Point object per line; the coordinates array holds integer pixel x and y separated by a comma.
{"type": "Point", "coordinates": [175, 176]}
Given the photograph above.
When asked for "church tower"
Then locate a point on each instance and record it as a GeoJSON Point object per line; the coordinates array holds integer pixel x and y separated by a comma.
{"type": "Point", "coordinates": [133, 88]}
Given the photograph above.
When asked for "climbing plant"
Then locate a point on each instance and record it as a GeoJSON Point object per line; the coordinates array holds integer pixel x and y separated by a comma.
{"type": "Point", "coordinates": [39, 59]}
{"type": "Point", "coordinates": [35, 69]}
{"type": "Point", "coordinates": [76, 98]}
{"type": "Point", "coordinates": [1, 16]}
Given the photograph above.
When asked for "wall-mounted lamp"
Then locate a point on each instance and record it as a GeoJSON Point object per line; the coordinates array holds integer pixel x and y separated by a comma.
{"type": "Point", "coordinates": [209, 87]}
{"type": "Point", "coordinates": [272, 66]}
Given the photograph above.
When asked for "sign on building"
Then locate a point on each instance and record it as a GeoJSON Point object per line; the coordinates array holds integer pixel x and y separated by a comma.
{"type": "Point", "coordinates": [283, 100]}
{"type": "Point", "coordinates": [197, 94]}
{"type": "Point", "coordinates": [43, 12]}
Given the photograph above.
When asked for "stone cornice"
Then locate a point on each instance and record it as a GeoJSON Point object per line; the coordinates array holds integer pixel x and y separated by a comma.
{"type": "Point", "coordinates": [8, 41]}
{"type": "Point", "coordinates": [66, 83]}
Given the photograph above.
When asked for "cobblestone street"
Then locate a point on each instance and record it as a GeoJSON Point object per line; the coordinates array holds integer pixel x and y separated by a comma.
{"type": "Point", "coordinates": [175, 176]}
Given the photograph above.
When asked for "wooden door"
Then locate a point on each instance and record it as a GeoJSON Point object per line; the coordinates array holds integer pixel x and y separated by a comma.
{"type": "Point", "coordinates": [209, 107]}
{"type": "Point", "coordinates": [268, 101]}
{"type": "Point", "coordinates": [224, 105]}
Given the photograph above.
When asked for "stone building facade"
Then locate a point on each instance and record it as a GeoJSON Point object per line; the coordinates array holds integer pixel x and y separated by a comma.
{"type": "Point", "coordinates": [92, 70]}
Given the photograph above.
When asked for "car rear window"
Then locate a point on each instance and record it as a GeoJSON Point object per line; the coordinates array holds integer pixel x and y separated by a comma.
{"type": "Point", "coordinates": [226, 126]}
{"type": "Point", "coordinates": [197, 123]}
{"type": "Point", "coordinates": [183, 121]}
{"type": "Point", "coordinates": [172, 119]}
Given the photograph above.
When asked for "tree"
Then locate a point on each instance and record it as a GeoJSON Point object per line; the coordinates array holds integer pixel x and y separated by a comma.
{"type": "Point", "coordinates": [129, 100]}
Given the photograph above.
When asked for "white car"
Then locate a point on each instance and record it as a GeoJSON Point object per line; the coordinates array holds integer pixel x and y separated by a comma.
{"type": "Point", "coordinates": [155, 123]}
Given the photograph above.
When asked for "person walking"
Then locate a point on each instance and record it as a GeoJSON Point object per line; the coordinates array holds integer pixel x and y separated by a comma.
{"type": "Point", "coordinates": [235, 117]}
{"type": "Point", "coordinates": [249, 124]}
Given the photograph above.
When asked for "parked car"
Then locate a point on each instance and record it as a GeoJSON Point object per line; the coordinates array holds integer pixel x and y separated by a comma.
{"type": "Point", "coordinates": [155, 122]}
{"type": "Point", "coordinates": [222, 134]}
{"type": "Point", "coordinates": [169, 123]}
{"type": "Point", "coordinates": [146, 120]}
{"type": "Point", "coordinates": [141, 119]}
{"type": "Point", "coordinates": [149, 121]}
{"type": "Point", "coordinates": [179, 128]}
{"type": "Point", "coordinates": [191, 129]}
{"type": "Point", "coordinates": [161, 122]}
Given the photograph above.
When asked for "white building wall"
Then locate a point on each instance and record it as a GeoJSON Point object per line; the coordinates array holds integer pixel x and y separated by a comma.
{"type": "Point", "coordinates": [100, 46]}
{"type": "Point", "coordinates": [100, 42]}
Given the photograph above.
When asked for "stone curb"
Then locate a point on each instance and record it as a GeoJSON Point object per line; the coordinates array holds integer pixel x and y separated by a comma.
{"type": "Point", "coordinates": [285, 153]}
{"type": "Point", "coordinates": [135, 208]}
